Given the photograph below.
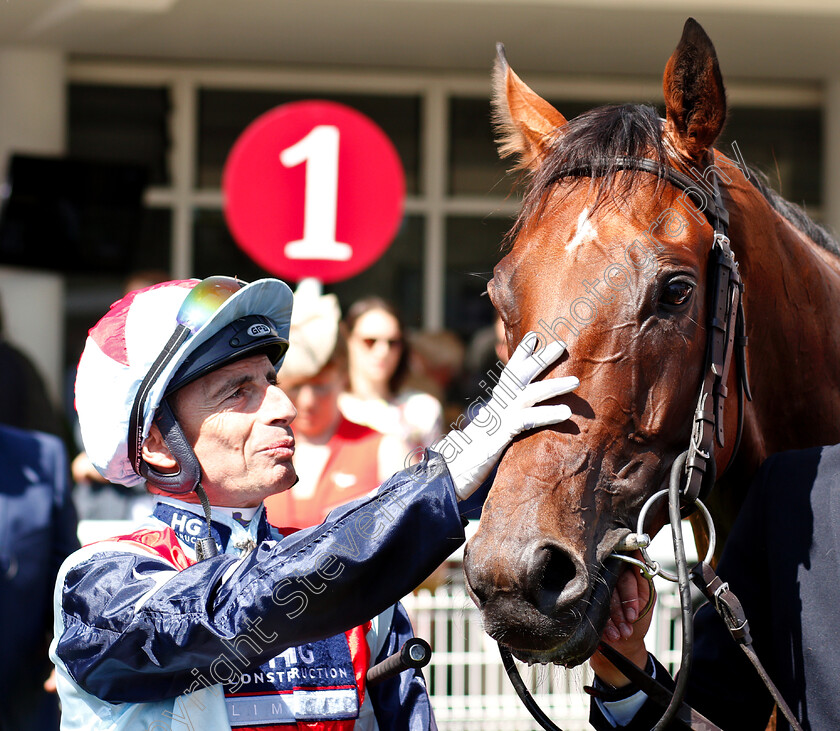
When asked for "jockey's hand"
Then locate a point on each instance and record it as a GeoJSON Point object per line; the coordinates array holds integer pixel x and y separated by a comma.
{"type": "Point", "coordinates": [472, 453]}
{"type": "Point", "coordinates": [626, 629]}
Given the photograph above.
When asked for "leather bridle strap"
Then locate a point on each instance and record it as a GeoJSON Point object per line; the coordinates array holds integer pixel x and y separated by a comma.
{"type": "Point", "coordinates": [654, 690]}
{"type": "Point", "coordinates": [728, 606]}
{"type": "Point", "coordinates": [726, 335]}
{"type": "Point", "coordinates": [716, 213]}
{"type": "Point", "coordinates": [725, 303]}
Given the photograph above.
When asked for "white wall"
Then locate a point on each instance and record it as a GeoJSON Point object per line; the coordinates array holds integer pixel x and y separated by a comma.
{"type": "Point", "coordinates": [33, 91]}
{"type": "Point", "coordinates": [33, 306]}
{"type": "Point", "coordinates": [33, 120]}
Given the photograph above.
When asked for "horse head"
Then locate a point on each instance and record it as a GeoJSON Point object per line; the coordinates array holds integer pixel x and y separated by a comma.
{"type": "Point", "coordinates": [614, 262]}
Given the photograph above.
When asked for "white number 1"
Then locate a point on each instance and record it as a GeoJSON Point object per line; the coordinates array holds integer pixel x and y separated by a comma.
{"type": "Point", "coordinates": [320, 150]}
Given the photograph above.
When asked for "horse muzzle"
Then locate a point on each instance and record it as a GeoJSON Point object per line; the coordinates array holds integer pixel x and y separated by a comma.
{"type": "Point", "coordinates": [546, 605]}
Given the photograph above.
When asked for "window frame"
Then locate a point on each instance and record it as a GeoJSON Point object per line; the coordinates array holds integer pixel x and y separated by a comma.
{"type": "Point", "coordinates": [434, 204]}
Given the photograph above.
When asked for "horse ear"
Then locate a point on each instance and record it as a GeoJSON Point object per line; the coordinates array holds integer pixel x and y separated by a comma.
{"type": "Point", "coordinates": [525, 122]}
{"type": "Point", "coordinates": [695, 99]}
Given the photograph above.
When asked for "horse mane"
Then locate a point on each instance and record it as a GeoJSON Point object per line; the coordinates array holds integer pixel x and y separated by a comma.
{"type": "Point", "coordinates": [793, 213]}
{"type": "Point", "coordinates": [630, 130]}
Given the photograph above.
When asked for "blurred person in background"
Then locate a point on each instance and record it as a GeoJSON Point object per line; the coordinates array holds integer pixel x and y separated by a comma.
{"type": "Point", "coordinates": [377, 396]}
{"type": "Point", "coordinates": [37, 532]}
{"type": "Point", "coordinates": [336, 460]}
{"type": "Point", "coordinates": [486, 354]}
{"type": "Point", "coordinates": [24, 399]}
{"type": "Point", "coordinates": [95, 497]}
{"type": "Point", "coordinates": [437, 366]}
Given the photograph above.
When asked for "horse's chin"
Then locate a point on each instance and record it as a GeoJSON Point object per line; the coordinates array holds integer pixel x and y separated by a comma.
{"type": "Point", "coordinates": [568, 638]}
{"type": "Point", "coordinates": [572, 651]}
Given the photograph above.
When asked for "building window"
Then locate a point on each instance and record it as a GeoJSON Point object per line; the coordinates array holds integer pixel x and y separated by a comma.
{"type": "Point", "coordinates": [223, 114]}
{"type": "Point", "coordinates": [475, 167]}
{"type": "Point", "coordinates": [124, 124]}
{"type": "Point", "coordinates": [474, 246]}
{"type": "Point", "coordinates": [397, 276]}
{"type": "Point", "coordinates": [182, 121]}
{"type": "Point", "coordinates": [784, 144]}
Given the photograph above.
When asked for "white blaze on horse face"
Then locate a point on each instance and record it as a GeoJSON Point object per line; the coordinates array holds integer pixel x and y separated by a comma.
{"type": "Point", "coordinates": [585, 232]}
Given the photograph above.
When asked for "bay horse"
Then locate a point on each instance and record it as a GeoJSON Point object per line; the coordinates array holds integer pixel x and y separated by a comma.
{"type": "Point", "coordinates": [615, 263]}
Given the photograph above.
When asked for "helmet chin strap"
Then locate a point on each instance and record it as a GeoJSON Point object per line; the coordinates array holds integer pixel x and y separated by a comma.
{"type": "Point", "coordinates": [188, 476]}
{"type": "Point", "coordinates": [205, 547]}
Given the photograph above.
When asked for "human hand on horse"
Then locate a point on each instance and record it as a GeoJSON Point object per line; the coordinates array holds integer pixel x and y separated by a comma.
{"type": "Point", "coordinates": [509, 411]}
{"type": "Point", "coordinates": [629, 621]}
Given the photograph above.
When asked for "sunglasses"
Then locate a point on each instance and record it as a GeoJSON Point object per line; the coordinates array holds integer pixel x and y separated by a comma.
{"type": "Point", "coordinates": [391, 342]}
{"type": "Point", "coordinates": [200, 304]}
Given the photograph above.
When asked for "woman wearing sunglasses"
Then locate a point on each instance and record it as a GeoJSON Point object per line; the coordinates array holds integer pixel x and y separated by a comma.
{"type": "Point", "coordinates": [377, 395]}
{"type": "Point", "coordinates": [336, 460]}
{"type": "Point", "coordinates": [206, 616]}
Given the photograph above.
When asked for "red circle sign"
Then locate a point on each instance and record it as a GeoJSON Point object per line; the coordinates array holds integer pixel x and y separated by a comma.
{"type": "Point", "coordinates": [313, 189]}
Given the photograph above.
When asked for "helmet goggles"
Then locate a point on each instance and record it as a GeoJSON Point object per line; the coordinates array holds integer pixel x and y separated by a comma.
{"type": "Point", "coordinates": [197, 309]}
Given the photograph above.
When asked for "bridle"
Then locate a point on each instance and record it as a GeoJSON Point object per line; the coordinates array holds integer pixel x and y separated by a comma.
{"type": "Point", "coordinates": [693, 471]}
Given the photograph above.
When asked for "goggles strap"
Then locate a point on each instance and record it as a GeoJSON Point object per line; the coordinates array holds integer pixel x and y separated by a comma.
{"type": "Point", "coordinates": [135, 423]}
{"type": "Point", "coordinates": [205, 547]}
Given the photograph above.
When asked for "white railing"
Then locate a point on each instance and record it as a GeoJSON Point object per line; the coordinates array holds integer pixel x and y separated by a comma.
{"type": "Point", "coordinates": [468, 686]}
{"type": "Point", "coordinates": [467, 683]}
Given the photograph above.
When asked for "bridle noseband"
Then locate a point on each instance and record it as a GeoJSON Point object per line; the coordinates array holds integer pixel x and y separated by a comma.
{"type": "Point", "coordinates": [693, 471]}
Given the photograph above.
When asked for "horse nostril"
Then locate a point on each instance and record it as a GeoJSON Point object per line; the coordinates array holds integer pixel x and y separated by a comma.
{"type": "Point", "coordinates": [559, 570]}
{"type": "Point", "coordinates": [558, 581]}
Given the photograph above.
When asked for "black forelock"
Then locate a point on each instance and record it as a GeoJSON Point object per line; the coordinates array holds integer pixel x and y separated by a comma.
{"type": "Point", "coordinates": [606, 134]}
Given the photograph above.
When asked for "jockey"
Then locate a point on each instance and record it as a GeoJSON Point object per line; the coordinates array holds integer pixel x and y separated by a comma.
{"type": "Point", "coordinates": [205, 616]}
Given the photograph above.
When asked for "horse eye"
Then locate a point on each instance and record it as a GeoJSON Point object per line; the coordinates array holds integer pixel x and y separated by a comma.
{"type": "Point", "coordinates": [676, 293]}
